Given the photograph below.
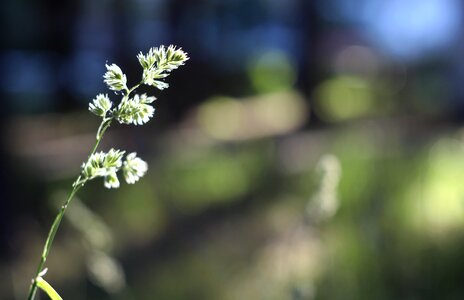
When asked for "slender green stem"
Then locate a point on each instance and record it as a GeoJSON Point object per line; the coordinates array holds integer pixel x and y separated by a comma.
{"type": "Point", "coordinates": [49, 241]}
{"type": "Point", "coordinates": [78, 183]}
{"type": "Point", "coordinates": [59, 217]}
{"type": "Point", "coordinates": [134, 87]}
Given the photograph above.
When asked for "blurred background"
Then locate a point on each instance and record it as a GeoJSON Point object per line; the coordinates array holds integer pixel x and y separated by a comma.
{"type": "Point", "coordinates": [307, 150]}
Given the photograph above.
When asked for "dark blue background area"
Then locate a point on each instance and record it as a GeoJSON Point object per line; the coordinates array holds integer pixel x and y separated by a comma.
{"type": "Point", "coordinates": [53, 53]}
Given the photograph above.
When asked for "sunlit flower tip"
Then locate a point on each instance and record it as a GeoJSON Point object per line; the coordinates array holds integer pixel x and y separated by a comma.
{"type": "Point", "coordinates": [151, 76]}
{"type": "Point", "coordinates": [100, 105]}
{"type": "Point", "coordinates": [134, 168]}
{"type": "Point", "coordinates": [94, 166]}
{"type": "Point", "coordinates": [135, 111]}
{"type": "Point", "coordinates": [115, 78]}
{"type": "Point", "coordinates": [113, 159]}
{"type": "Point", "coordinates": [111, 181]}
{"type": "Point", "coordinates": [144, 99]}
{"type": "Point", "coordinates": [147, 61]}
{"type": "Point", "coordinates": [159, 62]}
{"type": "Point", "coordinates": [176, 57]}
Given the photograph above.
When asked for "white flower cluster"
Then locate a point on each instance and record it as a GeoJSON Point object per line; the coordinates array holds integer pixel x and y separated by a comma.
{"type": "Point", "coordinates": [133, 168]}
{"type": "Point", "coordinates": [159, 62]}
{"type": "Point", "coordinates": [115, 78]}
{"type": "Point", "coordinates": [137, 110]}
{"type": "Point", "coordinates": [107, 165]}
{"type": "Point", "coordinates": [100, 105]}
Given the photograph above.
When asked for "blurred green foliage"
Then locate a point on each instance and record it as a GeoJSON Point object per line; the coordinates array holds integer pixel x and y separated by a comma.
{"type": "Point", "coordinates": [229, 220]}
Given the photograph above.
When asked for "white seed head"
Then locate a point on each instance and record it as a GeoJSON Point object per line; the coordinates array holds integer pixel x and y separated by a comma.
{"type": "Point", "coordinates": [111, 181]}
{"type": "Point", "coordinates": [101, 164]}
{"type": "Point", "coordinates": [134, 168]}
{"type": "Point", "coordinates": [135, 111]}
{"type": "Point", "coordinates": [113, 159]}
{"type": "Point", "coordinates": [100, 105]}
{"type": "Point", "coordinates": [150, 77]}
{"type": "Point", "coordinates": [159, 62]}
{"type": "Point", "coordinates": [147, 61]}
{"type": "Point", "coordinates": [94, 166]}
{"type": "Point", "coordinates": [175, 57]}
{"type": "Point", "coordinates": [115, 78]}
{"type": "Point", "coordinates": [144, 99]}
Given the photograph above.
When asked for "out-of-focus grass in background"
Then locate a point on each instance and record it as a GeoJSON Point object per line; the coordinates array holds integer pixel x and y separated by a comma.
{"type": "Point", "coordinates": [308, 150]}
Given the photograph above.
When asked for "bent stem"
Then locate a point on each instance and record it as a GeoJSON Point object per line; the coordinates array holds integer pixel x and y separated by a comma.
{"type": "Point", "coordinates": [59, 217]}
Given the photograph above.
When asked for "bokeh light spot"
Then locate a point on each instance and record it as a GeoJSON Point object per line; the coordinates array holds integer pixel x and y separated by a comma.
{"type": "Point", "coordinates": [342, 98]}
{"type": "Point", "coordinates": [272, 71]}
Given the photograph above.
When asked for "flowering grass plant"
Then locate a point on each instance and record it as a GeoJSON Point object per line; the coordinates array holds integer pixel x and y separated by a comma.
{"type": "Point", "coordinates": [133, 109]}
